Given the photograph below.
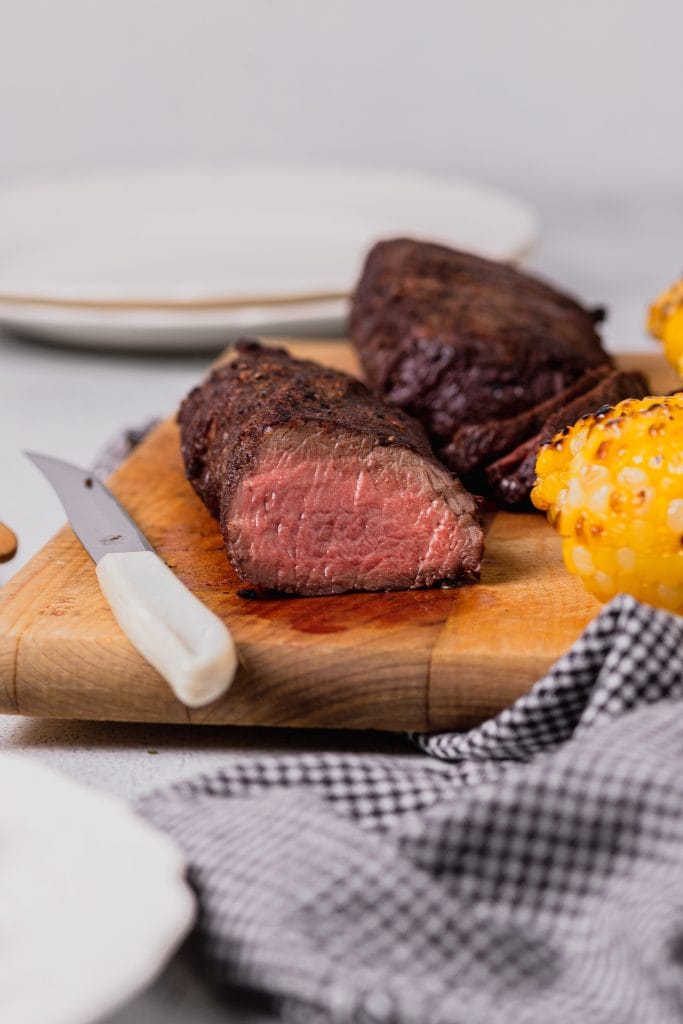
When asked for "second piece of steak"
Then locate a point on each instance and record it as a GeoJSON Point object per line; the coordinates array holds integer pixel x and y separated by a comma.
{"type": "Point", "coordinates": [321, 488]}
{"type": "Point", "coordinates": [457, 340]}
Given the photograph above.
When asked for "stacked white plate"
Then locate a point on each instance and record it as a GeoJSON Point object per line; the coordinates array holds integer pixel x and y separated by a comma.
{"type": "Point", "coordinates": [189, 258]}
{"type": "Point", "coordinates": [93, 900]}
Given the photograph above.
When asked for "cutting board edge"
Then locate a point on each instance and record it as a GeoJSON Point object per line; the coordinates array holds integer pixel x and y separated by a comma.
{"type": "Point", "coordinates": [324, 695]}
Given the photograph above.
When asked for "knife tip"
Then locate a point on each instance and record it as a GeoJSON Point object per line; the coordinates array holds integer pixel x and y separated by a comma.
{"type": "Point", "coordinates": [35, 457]}
{"type": "Point", "coordinates": [43, 462]}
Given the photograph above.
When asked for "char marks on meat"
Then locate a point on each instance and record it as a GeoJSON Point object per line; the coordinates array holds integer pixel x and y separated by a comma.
{"type": "Point", "coordinates": [483, 355]}
{"type": "Point", "coordinates": [320, 487]}
{"type": "Point", "coordinates": [476, 444]}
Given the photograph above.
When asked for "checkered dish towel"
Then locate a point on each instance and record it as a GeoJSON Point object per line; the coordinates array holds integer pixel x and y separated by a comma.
{"type": "Point", "coordinates": [530, 870]}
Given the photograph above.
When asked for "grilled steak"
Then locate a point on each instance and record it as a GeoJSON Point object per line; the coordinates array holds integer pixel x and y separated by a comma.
{"type": "Point", "coordinates": [319, 487]}
{"type": "Point", "coordinates": [458, 340]}
{"type": "Point", "coordinates": [511, 478]}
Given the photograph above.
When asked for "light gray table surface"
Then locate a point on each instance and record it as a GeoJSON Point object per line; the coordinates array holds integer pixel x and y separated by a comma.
{"type": "Point", "coordinates": [616, 250]}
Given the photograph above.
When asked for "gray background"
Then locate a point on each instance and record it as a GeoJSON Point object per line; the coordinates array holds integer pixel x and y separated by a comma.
{"type": "Point", "coordinates": [529, 94]}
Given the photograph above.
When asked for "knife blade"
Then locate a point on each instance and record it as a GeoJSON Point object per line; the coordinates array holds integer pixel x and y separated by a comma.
{"type": "Point", "coordinates": [96, 517]}
{"type": "Point", "coordinates": [185, 642]}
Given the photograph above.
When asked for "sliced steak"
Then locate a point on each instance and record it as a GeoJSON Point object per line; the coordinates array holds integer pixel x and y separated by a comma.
{"type": "Point", "coordinates": [320, 487]}
{"type": "Point", "coordinates": [512, 477]}
{"type": "Point", "coordinates": [476, 444]}
{"type": "Point", "coordinates": [455, 339]}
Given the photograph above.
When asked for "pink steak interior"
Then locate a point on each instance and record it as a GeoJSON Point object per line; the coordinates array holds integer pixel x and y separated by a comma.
{"type": "Point", "coordinates": [327, 513]}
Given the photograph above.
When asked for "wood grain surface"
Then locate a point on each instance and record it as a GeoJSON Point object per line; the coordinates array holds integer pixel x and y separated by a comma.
{"type": "Point", "coordinates": [435, 659]}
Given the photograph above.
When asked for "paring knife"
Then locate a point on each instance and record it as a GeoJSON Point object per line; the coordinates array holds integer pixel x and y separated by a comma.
{"type": "Point", "coordinates": [177, 634]}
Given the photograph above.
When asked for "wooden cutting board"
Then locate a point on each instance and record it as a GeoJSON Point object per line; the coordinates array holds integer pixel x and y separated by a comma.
{"type": "Point", "coordinates": [434, 659]}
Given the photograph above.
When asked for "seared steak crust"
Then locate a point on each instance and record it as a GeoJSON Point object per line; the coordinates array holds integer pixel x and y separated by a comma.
{"type": "Point", "coordinates": [266, 432]}
{"type": "Point", "coordinates": [455, 339]}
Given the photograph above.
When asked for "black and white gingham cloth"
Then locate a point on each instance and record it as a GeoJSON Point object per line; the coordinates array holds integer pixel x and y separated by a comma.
{"type": "Point", "coordinates": [531, 870]}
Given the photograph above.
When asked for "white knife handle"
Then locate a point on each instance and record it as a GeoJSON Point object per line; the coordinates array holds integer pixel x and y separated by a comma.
{"type": "Point", "coordinates": [177, 634]}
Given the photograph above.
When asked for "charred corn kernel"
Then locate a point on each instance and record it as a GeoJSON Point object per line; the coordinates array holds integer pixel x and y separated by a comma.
{"type": "Point", "coordinates": [665, 322]}
{"type": "Point", "coordinates": [612, 486]}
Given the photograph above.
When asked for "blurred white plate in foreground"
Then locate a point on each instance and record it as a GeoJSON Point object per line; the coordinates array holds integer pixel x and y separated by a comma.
{"type": "Point", "coordinates": [190, 257]}
{"type": "Point", "coordinates": [92, 899]}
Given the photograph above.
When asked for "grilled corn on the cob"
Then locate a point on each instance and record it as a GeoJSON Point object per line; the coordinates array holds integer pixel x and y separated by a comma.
{"type": "Point", "coordinates": [665, 322]}
{"type": "Point", "coordinates": [612, 486]}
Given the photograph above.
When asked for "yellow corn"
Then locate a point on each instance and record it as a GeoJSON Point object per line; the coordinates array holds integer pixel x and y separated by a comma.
{"type": "Point", "coordinates": [665, 322]}
{"type": "Point", "coordinates": [612, 486]}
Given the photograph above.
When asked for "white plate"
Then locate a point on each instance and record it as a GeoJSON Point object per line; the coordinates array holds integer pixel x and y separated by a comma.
{"type": "Point", "coordinates": [189, 257]}
{"type": "Point", "coordinates": [92, 899]}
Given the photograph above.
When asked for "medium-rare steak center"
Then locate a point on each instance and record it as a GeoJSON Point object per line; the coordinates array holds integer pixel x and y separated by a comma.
{"type": "Point", "coordinates": [321, 488]}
